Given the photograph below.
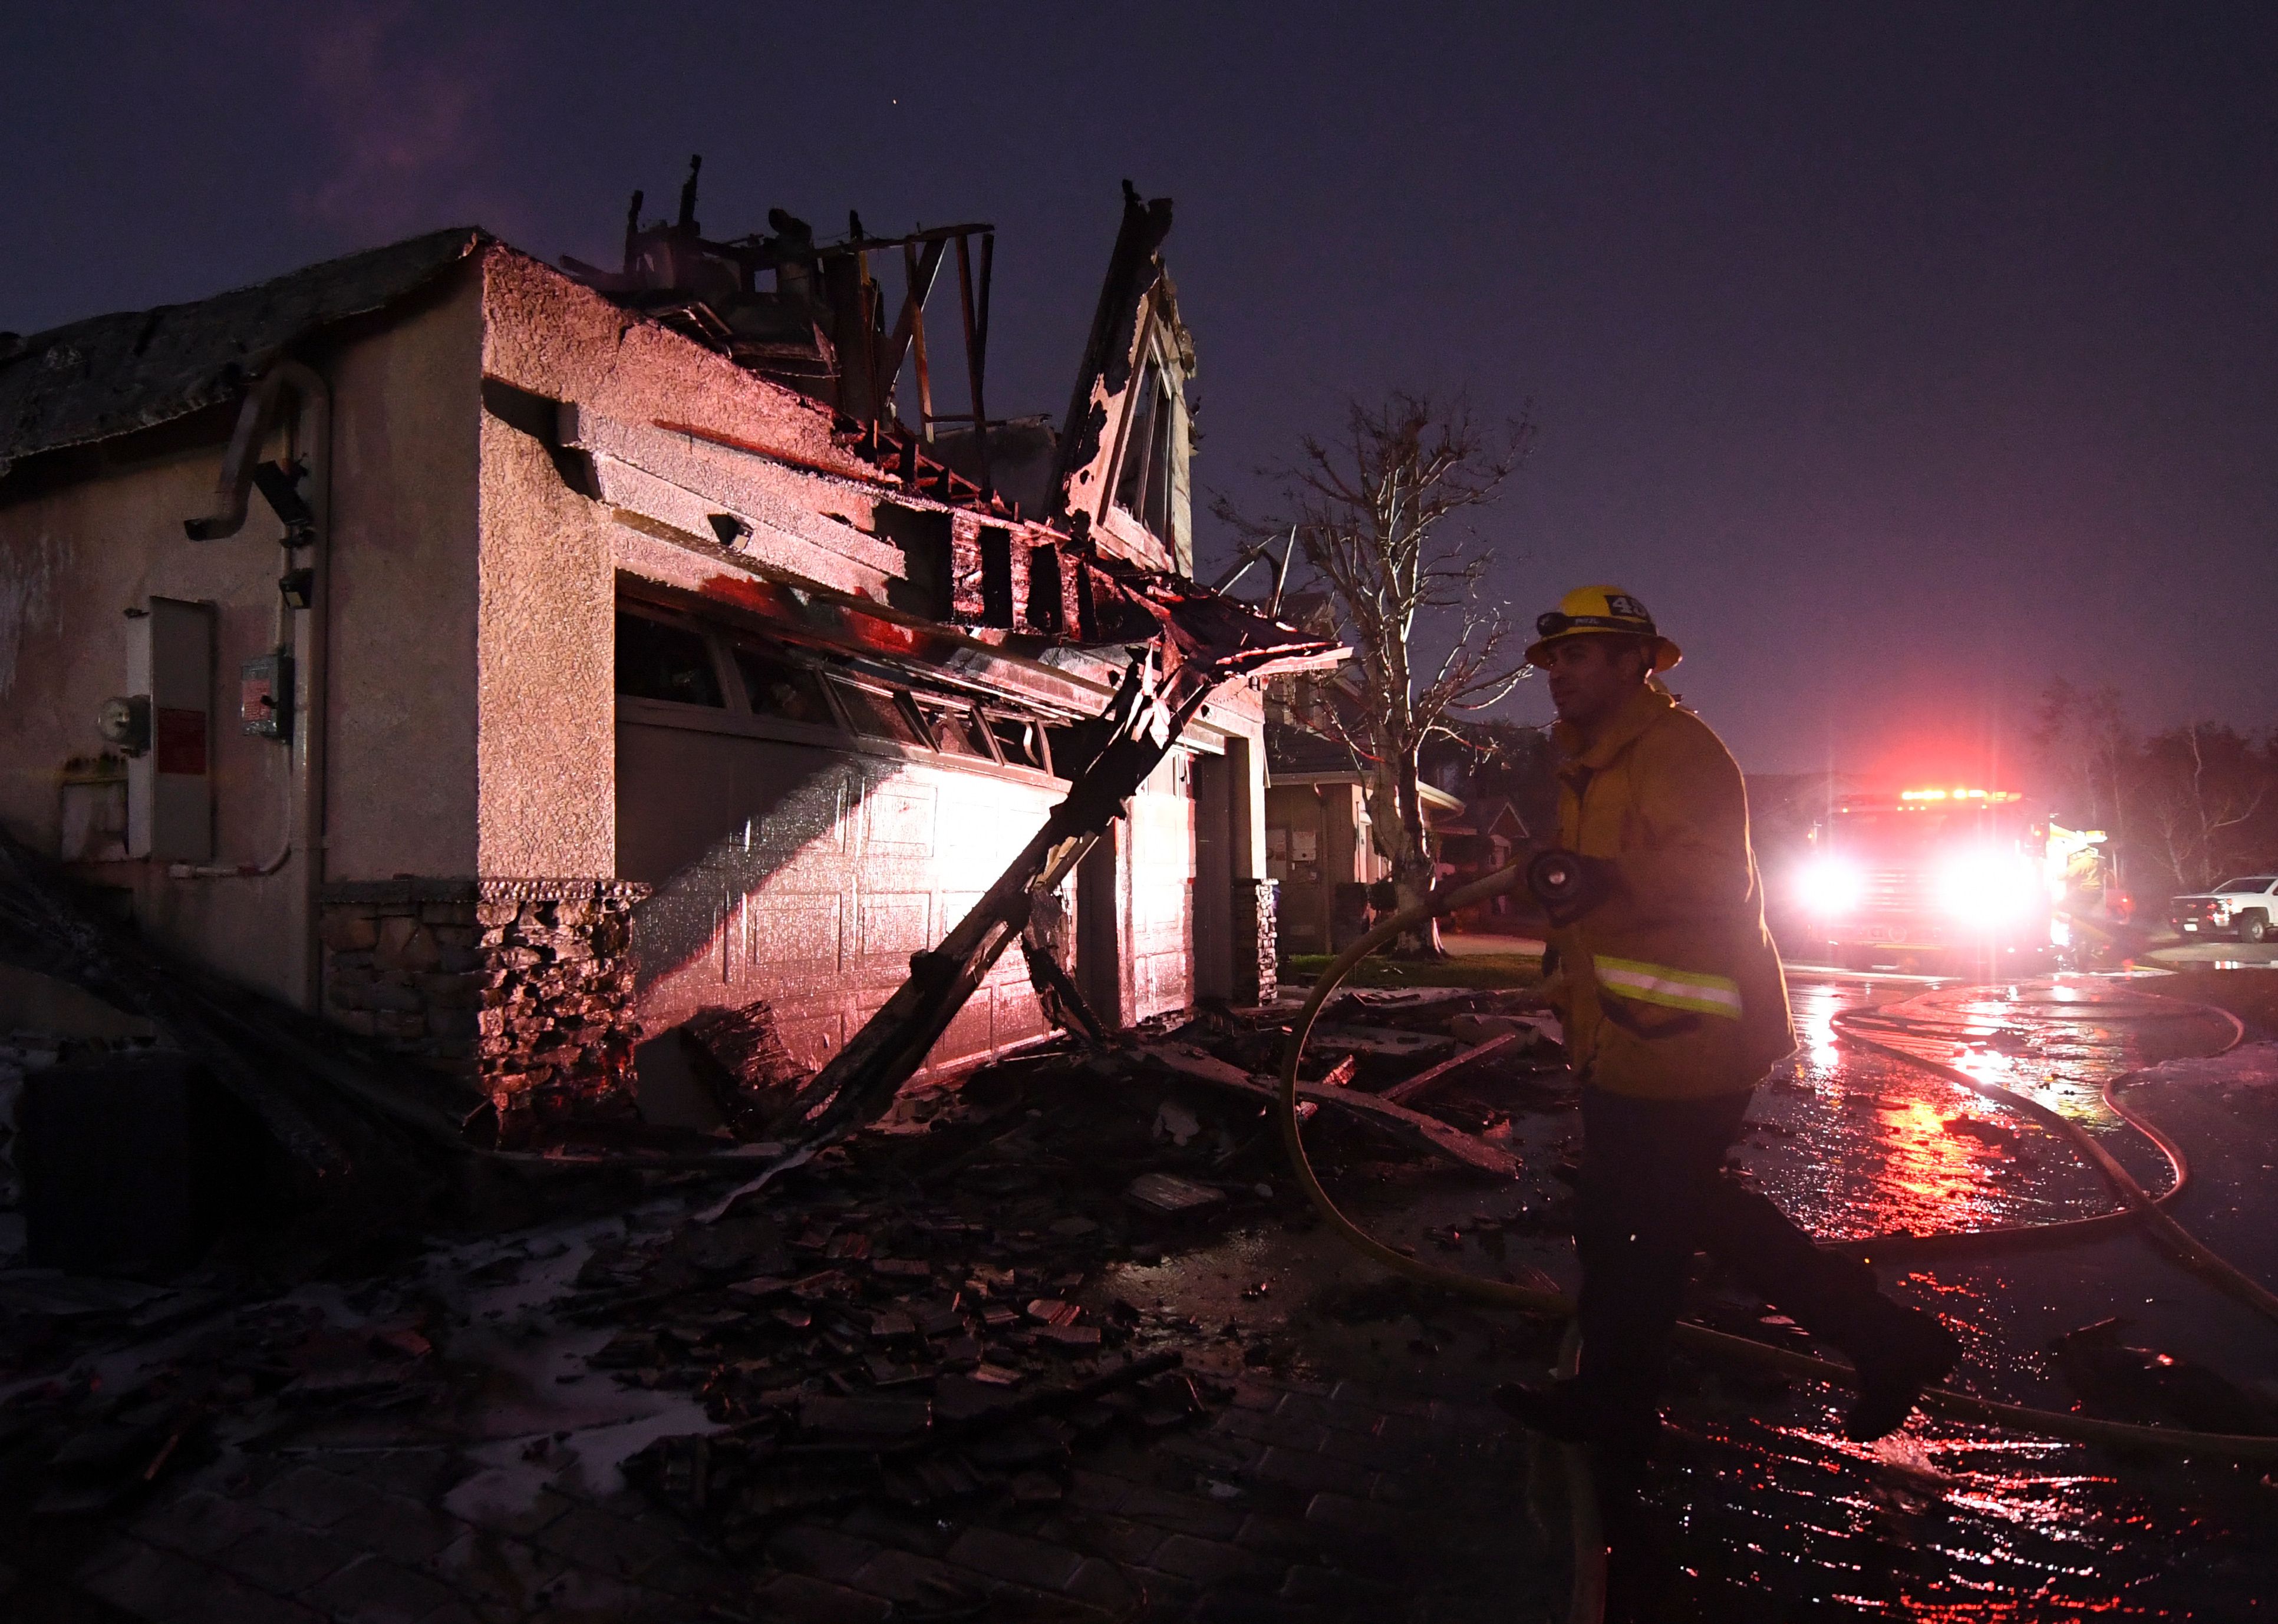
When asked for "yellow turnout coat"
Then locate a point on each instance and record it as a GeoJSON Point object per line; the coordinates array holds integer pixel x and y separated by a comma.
{"type": "Point", "coordinates": [1670, 990]}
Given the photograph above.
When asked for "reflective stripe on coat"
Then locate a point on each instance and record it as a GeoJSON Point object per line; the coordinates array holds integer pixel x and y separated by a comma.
{"type": "Point", "coordinates": [1670, 988]}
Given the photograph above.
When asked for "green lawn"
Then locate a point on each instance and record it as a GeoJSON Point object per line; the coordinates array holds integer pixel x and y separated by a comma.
{"type": "Point", "coordinates": [1486, 970]}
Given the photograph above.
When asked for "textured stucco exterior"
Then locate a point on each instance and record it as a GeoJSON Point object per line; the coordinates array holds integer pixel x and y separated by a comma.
{"type": "Point", "coordinates": [543, 693]}
{"type": "Point", "coordinates": [87, 534]}
{"type": "Point", "coordinates": [75, 558]}
{"type": "Point", "coordinates": [510, 456]}
{"type": "Point", "coordinates": [403, 798]}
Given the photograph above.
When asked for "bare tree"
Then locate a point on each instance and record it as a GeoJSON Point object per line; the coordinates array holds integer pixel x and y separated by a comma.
{"type": "Point", "coordinates": [1375, 514]}
{"type": "Point", "coordinates": [2208, 783]}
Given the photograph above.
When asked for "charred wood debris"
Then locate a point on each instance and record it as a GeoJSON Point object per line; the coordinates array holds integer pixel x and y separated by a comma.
{"type": "Point", "coordinates": [919, 1318]}
{"type": "Point", "coordinates": [920, 1315]}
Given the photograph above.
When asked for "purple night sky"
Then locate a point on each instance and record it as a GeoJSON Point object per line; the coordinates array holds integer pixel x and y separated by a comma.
{"type": "Point", "coordinates": [1901, 357]}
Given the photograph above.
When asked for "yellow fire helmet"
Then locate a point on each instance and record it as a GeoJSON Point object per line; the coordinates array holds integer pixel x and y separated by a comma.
{"type": "Point", "coordinates": [1588, 609]}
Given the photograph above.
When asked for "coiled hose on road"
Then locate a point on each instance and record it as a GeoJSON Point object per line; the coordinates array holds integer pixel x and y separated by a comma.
{"type": "Point", "coordinates": [1858, 1027]}
{"type": "Point", "coordinates": [1721, 1347]}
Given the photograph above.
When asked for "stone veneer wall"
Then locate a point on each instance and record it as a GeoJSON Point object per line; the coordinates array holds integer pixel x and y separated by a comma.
{"type": "Point", "coordinates": [524, 987]}
{"type": "Point", "coordinates": [1257, 944]}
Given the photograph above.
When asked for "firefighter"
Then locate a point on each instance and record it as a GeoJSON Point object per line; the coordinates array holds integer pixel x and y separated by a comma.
{"type": "Point", "coordinates": [1674, 1007]}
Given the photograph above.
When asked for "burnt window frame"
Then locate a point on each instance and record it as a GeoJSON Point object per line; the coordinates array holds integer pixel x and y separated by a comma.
{"type": "Point", "coordinates": [1150, 421]}
{"type": "Point", "coordinates": [995, 546]}
{"type": "Point", "coordinates": [1046, 606]}
{"type": "Point", "coordinates": [916, 704]}
{"type": "Point", "coordinates": [938, 708]}
{"type": "Point", "coordinates": [990, 715]}
{"type": "Point", "coordinates": [898, 700]}
{"type": "Point", "coordinates": [739, 643]}
{"type": "Point", "coordinates": [727, 683]}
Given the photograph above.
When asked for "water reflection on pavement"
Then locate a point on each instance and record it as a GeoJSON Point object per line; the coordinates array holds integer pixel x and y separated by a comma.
{"type": "Point", "coordinates": [1767, 1512]}
{"type": "Point", "coordinates": [1763, 1511]}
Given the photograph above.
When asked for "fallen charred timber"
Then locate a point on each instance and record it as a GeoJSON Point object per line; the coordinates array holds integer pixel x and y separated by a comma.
{"type": "Point", "coordinates": [1203, 642]}
{"type": "Point", "coordinates": [1412, 1128]}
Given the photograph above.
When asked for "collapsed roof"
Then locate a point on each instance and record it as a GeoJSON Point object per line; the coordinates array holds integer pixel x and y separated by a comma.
{"type": "Point", "coordinates": [820, 330]}
{"type": "Point", "coordinates": [813, 313]}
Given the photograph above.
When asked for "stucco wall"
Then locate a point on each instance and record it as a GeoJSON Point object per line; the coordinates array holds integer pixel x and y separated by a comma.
{"type": "Point", "coordinates": [545, 755]}
{"type": "Point", "coordinates": [406, 436]}
{"type": "Point", "coordinates": [76, 553]}
{"type": "Point", "coordinates": [547, 334]}
{"type": "Point", "coordinates": [548, 751]}
{"type": "Point", "coordinates": [87, 534]}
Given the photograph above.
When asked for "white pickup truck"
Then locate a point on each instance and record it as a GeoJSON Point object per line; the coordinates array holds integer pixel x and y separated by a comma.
{"type": "Point", "coordinates": [2246, 908]}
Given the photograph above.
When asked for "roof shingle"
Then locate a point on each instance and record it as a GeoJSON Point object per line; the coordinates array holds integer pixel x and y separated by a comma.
{"type": "Point", "coordinates": [111, 375]}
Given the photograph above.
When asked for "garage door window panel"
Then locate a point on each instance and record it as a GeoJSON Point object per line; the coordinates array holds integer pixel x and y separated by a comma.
{"type": "Point", "coordinates": [878, 714]}
{"type": "Point", "coordinates": [783, 690]}
{"type": "Point", "coordinates": [958, 731]}
{"type": "Point", "coordinates": [1019, 741]}
{"type": "Point", "coordinates": [659, 661]}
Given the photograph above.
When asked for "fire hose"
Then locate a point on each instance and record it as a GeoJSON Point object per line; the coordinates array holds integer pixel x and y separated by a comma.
{"type": "Point", "coordinates": [1721, 1347]}
{"type": "Point", "coordinates": [2141, 1205]}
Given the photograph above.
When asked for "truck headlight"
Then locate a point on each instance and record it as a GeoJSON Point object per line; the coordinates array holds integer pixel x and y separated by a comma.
{"type": "Point", "coordinates": [1985, 890]}
{"type": "Point", "coordinates": [1830, 886]}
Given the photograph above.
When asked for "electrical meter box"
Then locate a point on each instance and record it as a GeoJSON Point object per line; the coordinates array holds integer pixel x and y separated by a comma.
{"type": "Point", "coordinates": [264, 696]}
{"type": "Point", "coordinates": [170, 785]}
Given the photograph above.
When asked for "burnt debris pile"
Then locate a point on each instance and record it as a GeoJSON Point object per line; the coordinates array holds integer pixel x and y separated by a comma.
{"type": "Point", "coordinates": [945, 1314]}
{"type": "Point", "coordinates": [929, 1314]}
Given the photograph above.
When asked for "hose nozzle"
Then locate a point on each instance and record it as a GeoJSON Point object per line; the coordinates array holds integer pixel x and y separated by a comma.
{"type": "Point", "coordinates": [1556, 878]}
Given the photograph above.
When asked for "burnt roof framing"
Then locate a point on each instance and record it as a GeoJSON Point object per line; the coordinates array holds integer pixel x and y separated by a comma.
{"type": "Point", "coordinates": [822, 329]}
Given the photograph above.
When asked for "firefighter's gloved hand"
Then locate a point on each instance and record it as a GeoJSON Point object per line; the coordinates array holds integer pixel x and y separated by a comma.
{"type": "Point", "coordinates": [1569, 884]}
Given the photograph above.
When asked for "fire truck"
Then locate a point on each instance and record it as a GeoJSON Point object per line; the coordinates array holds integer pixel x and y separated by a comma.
{"type": "Point", "coordinates": [1941, 880]}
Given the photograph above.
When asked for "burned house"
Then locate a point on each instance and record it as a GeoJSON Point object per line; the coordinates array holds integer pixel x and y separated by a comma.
{"type": "Point", "coordinates": [512, 662]}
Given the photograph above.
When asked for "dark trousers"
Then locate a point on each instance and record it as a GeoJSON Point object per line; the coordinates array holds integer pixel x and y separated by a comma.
{"type": "Point", "coordinates": [1652, 1192]}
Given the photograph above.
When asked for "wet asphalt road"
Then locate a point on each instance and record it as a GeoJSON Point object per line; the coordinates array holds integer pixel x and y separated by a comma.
{"type": "Point", "coordinates": [1953, 1522]}
{"type": "Point", "coordinates": [1762, 1511]}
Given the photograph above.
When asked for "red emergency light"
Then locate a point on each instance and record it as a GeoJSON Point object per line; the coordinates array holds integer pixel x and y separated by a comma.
{"type": "Point", "coordinates": [1915, 797]}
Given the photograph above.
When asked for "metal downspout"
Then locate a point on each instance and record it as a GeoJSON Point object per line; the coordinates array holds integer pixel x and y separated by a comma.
{"type": "Point", "coordinates": [305, 824]}
{"type": "Point", "coordinates": [314, 440]}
